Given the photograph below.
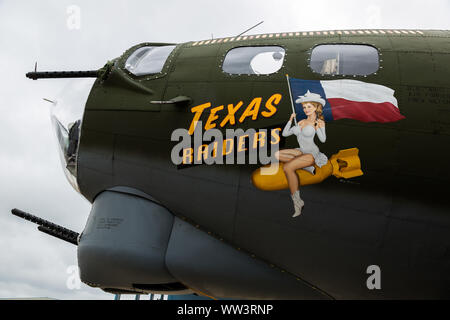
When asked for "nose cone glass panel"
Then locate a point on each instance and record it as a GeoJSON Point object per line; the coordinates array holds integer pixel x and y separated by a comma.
{"type": "Point", "coordinates": [66, 113]}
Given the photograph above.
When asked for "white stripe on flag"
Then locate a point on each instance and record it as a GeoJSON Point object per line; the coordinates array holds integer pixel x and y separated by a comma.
{"type": "Point", "coordinates": [355, 90]}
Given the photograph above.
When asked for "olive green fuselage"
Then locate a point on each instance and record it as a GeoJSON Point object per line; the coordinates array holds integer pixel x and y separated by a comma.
{"type": "Point", "coordinates": [396, 215]}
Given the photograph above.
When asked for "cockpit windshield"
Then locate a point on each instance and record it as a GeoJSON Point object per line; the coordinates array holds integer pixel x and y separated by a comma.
{"type": "Point", "coordinates": [148, 60]}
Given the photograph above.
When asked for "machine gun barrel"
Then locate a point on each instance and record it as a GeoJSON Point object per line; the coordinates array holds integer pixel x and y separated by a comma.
{"type": "Point", "coordinates": [60, 235]}
{"type": "Point", "coordinates": [49, 227]}
{"type": "Point", "coordinates": [62, 74]}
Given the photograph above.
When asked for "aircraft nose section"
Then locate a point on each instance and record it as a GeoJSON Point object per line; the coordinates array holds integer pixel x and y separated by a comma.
{"type": "Point", "coordinates": [66, 113]}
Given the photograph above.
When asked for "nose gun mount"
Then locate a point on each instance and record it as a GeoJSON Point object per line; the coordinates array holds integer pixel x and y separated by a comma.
{"type": "Point", "coordinates": [62, 74]}
{"type": "Point", "coordinates": [345, 164]}
{"type": "Point", "coordinates": [48, 227]}
{"type": "Point", "coordinates": [100, 73]}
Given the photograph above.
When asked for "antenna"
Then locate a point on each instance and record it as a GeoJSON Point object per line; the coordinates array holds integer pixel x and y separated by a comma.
{"type": "Point", "coordinates": [249, 29]}
{"type": "Point", "coordinates": [48, 100]}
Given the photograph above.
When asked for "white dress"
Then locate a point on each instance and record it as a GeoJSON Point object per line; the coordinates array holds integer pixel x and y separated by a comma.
{"type": "Point", "coordinates": [305, 138]}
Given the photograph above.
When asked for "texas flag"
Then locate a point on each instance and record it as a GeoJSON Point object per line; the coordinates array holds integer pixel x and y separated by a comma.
{"type": "Point", "coordinates": [349, 99]}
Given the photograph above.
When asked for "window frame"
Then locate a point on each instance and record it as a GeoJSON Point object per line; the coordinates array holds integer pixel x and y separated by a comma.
{"type": "Point", "coordinates": [380, 60]}
{"type": "Point", "coordinates": [283, 66]}
{"type": "Point", "coordinates": [165, 69]}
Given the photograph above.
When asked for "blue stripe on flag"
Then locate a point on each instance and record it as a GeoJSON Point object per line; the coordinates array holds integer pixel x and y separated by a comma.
{"type": "Point", "coordinates": [299, 87]}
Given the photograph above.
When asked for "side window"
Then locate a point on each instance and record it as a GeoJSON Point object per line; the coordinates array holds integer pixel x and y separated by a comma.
{"type": "Point", "coordinates": [148, 60]}
{"type": "Point", "coordinates": [344, 59]}
{"type": "Point", "coordinates": [254, 60]}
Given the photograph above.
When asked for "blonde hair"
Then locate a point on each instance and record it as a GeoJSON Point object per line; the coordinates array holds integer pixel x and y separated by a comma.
{"type": "Point", "coordinates": [319, 109]}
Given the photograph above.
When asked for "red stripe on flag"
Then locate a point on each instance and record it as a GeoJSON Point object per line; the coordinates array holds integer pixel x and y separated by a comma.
{"type": "Point", "coordinates": [364, 111]}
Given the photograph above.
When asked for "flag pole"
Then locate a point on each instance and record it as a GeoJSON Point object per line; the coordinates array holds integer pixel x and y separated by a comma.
{"type": "Point", "coordinates": [290, 95]}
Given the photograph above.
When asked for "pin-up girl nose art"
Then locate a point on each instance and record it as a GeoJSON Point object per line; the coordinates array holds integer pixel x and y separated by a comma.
{"type": "Point", "coordinates": [314, 103]}
{"type": "Point", "coordinates": [308, 154]}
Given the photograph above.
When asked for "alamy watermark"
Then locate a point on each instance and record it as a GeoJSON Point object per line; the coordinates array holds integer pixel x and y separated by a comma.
{"type": "Point", "coordinates": [374, 280]}
{"type": "Point", "coordinates": [73, 21]}
{"type": "Point", "coordinates": [236, 147]}
{"type": "Point", "coordinates": [73, 281]}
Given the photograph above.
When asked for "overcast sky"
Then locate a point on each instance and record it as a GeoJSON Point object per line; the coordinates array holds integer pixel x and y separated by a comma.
{"type": "Point", "coordinates": [33, 264]}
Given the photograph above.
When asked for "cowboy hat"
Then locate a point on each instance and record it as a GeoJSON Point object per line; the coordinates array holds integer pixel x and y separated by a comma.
{"type": "Point", "coordinates": [310, 97]}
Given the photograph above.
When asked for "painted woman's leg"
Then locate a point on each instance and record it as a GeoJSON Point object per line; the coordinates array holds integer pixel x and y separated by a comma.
{"type": "Point", "coordinates": [287, 155]}
{"type": "Point", "coordinates": [305, 160]}
{"type": "Point", "coordinates": [289, 168]}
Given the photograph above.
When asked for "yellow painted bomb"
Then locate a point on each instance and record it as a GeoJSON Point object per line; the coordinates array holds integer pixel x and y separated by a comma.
{"type": "Point", "coordinates": [253, 110]}
{"type": "Point", "coordinates": [345, 164]}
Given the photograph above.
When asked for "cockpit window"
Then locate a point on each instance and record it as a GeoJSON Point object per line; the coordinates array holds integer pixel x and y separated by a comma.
{"type": "Point", "coordinates": [148, 60]}
{"type": "Point", "coordinates": [254, 60]}
{"type": "Point", "coordinates": [344, 59]}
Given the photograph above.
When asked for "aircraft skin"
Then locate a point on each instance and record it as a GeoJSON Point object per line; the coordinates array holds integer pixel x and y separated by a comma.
{"type": "Point", "coordinates": [395, 216]}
